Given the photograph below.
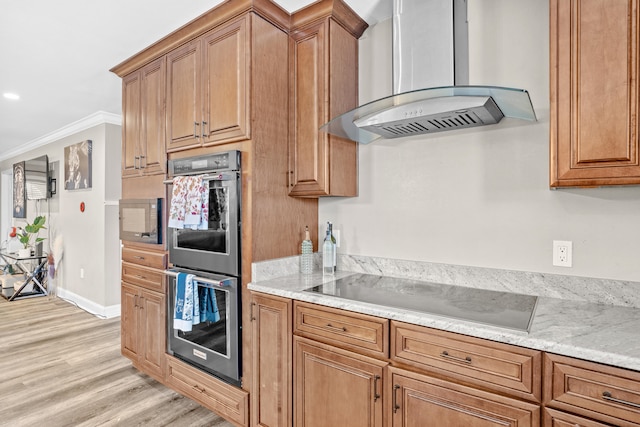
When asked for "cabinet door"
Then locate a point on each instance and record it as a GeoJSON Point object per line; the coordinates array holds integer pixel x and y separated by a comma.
{"type": "Point", "coordinates": [131, 111]}
{"type": "Point", "coordinates": [271, 326]}
{"type": "Point", "coordinates": [153, 330]}
{"type": "Point", "coordinates": [152, 137]}
{"type": "Point", "coordinates": [594, 92]}
{"type": "Point", "coordinates": [334, 387]}
{"type": "Point", "coordinates": [225, 83]}
{"type": "Point", "coordinates": [416, 398]}
{"type": "Point", "coordinates": [324, 80]}
{"type": "Point", "coordinates": [183, 96]}
{"type": "Point", "coordinates": [129, 322]}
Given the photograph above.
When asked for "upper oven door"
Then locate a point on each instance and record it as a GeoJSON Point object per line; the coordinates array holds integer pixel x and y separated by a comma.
{"type": "Point", "coordinates": [217, 248]}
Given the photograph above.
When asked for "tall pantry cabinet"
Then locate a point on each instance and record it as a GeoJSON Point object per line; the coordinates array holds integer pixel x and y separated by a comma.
{"type": "Point", "coordinates": [222, 82]}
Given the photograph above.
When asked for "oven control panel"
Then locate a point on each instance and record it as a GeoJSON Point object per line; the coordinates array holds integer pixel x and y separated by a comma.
{"type": "Point", "coordinates": [227, 161]}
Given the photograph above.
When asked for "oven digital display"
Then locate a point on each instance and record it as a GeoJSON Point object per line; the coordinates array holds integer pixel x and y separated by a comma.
{"type": "Point", "coordinates": [199, 164]}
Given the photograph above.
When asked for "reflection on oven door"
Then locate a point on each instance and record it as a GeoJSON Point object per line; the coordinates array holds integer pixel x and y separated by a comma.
{"type": "Point", "coordinates": [211, 333]}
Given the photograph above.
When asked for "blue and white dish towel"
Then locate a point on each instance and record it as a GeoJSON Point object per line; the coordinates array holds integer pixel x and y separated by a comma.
{"type": "Point", "coordinates": [186, 311]}
{"type": "Point", "coordinates": [208, 305]}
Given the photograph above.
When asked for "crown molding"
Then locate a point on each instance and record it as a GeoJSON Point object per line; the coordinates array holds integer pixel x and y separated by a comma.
{"type": "Point", "coordinates": [95, 119]}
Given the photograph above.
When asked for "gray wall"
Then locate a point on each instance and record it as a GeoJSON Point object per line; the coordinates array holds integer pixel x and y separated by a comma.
{"type": "Point", "coordinates": [480, 197]}
{"type": "Point", "coordinates": [90, 238]}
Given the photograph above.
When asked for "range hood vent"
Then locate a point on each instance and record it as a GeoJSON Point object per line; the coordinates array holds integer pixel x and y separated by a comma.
{"type": "Point", "coordinates": [430, 51]}
{"type": "Point", "coordinates": [438, 115]}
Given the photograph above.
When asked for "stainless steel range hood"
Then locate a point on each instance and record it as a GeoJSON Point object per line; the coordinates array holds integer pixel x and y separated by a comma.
{"type": "Point", "coordinates": [431, 74]}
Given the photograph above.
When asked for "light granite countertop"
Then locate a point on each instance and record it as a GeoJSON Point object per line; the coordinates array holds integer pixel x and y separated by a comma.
{"type": "Point", "coordinates": [603, 333]}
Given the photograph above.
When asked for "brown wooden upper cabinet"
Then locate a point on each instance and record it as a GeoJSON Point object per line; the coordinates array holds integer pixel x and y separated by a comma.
{"type": "Point", "coordinates": [594, 93]}
{"type": "Point", "coordinates": [143, 145]}
{"type": "Point", "coordinates": [207, 88]}
{"type": "Point", "coordinates": [323, 83]}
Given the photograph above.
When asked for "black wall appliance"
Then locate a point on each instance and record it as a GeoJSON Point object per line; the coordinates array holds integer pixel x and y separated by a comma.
{"type": "Point", "coordinates": [212, 255]}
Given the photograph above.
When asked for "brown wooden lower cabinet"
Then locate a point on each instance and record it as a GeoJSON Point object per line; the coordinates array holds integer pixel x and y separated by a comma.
{"type": "Point", "coordinates": [419, 400]}
{"type": "Point", "coordinates": [142, 329]}
{"type": "Point", "coordinates": [271, 361]}
{"type": "Point", "coordinates": [335, 387]}
{"type": "Point", "coordinates": [429, 378]}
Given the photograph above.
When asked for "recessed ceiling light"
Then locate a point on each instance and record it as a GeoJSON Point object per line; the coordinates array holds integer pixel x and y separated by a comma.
{"type": "Point", "coordinates": [11, 95]}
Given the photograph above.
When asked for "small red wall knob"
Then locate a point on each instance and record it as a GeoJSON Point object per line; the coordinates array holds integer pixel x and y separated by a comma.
{"type": "Point", "coordinates": [81, 206]}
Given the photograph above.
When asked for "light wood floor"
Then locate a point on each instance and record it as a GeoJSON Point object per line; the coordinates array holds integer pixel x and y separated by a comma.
{"type": "Point", "coordinates": [61, 366]}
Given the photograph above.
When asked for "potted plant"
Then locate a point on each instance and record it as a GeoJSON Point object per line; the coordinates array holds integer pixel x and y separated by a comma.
{"type": "Point", "coordinates": [29, 236]}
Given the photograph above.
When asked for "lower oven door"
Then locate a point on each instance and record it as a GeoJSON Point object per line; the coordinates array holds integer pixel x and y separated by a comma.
{"type": "Point", "coordinates": [212, 343]}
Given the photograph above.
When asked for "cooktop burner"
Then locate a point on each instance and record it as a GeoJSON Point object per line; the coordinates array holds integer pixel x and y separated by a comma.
{"type": "Point", "coordinates": [495, 308]}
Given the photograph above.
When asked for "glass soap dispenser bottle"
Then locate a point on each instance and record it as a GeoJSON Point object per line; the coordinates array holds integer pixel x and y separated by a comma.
{"type": "Point", "coordinates": [328, 254]}
{"type": "Point", "coordinates": [306, 250]}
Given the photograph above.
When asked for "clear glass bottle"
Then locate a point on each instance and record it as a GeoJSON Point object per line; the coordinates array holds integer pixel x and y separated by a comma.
{"type": "Point", "coordinates": [306, 253]}
{"type": "Point", "coordinates": [328, 255]}
{"type": "Point", "coordinates": [335, 247]}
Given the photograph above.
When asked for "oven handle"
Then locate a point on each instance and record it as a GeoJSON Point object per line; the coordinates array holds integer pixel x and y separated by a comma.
{"type": "Point", "coordinates": [222, 176]}
{"type": "Point", "coordinates": [214, 283]}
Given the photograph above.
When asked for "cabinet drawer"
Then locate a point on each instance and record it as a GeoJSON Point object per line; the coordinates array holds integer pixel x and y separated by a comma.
{"type": "Point", "coordinates": [149, 259]}
{"type": "Point", "coordinates": [604, 393]}
{"type": "Point", "coordinates": [553, 418]}
{"type": "Point", "coordinates": [496, 366]}
{"type": "Point", "coordinates": [225, 400]}
{"type": "Point", "coordinates": [146, 277]}
{"type": "Point", "coordinates": [354, 331]}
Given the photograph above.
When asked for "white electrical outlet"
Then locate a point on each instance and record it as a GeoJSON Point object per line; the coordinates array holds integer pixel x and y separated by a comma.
{"type": "Point", "coordinates": [562, 253]}
{"type": "Point", "coordinates": [336, 235]}
{"type": "Point", "coordinates": [82, 273]}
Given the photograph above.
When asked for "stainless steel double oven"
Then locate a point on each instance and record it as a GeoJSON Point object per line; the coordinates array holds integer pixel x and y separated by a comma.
{"type": "Point", "coordinates": [212, 254]}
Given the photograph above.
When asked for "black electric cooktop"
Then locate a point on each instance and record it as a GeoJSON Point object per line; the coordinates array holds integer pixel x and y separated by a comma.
{"type": "Point", "coordinates": [494, 308]}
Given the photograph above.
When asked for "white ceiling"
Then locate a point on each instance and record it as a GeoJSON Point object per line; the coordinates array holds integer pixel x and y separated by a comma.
{"type": "Point", "coordinates": [57, 54]}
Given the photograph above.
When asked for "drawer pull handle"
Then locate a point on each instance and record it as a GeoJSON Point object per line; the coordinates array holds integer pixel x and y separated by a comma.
{"type": "Point", "coordinates": [198, 389]}
{"type": "Point", "coordinates": [376, 396]}
{"type": "Point", "coordinates": [141, 277]}
{"type": "Point", "coordinates": [138, 257]}
{"type": "Point", "coordinates": [446, 355]}
{"type": "Point", "coordinates": [251, 316]}
{"type": "Point", "coordinates": [607, 396]}
{"type": "Point", "coordinates": [395, 398]}
{"type": "Point", "coordinates": [337, 328]}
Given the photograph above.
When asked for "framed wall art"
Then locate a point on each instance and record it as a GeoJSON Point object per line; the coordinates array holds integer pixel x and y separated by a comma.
{"type": "Point", "coordinates": [77, 166]}
{"type": "Point", "coordinates": [19, 196]}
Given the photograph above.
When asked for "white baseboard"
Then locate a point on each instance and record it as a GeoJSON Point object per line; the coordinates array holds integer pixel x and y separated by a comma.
{"type": "Point", "coordinates": [88, 305]}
